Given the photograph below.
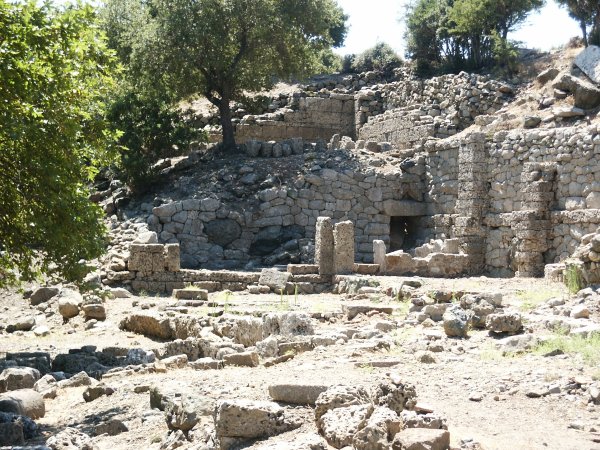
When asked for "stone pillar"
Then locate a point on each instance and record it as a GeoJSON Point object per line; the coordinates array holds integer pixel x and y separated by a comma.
{"type": "Point", "coordinates": [379, 252]}
{"type": "Point", "coordinates": [532, 224]}
{"type": "Point", "coordinates": [343, 238]}
{"type": "Point", "coordinates": [324, 246]}
{"type": "Point", "coordinates": [472, 201]}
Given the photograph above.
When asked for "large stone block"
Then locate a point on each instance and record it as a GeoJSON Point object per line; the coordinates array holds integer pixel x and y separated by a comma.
{"type": "Point", "coordinates": [404, 208]}
{"type": "Point", "coordinates": [343, 238]}
{"type": "Point", "coordinates": [324, 246]}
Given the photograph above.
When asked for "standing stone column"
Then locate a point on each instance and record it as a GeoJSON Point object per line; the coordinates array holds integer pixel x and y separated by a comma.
{"type": "Point", "coordinates": [532, 224]}
{"type": "Point", "coordinates": [472, 201]}
{"type": "Point", "coordinates": [324, 246]}
{"type": "Point", "coordinates": [379, 255]}
{"type": "Point", "coordinates": [343, 238]}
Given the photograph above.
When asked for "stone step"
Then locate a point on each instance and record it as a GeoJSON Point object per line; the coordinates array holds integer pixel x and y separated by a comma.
{"type": "Point", "coordinates": [303, 269]}
{"type": "Point", "coordinates": [366, 269]}
{"type": "Point", "coordinates": [190, 294]}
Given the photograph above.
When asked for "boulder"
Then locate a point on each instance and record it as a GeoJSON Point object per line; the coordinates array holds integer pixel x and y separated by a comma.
{"type": "Point", "coordinates": [23, 402]}
{"type": "Point", "coordinates": [338, 426]}
{"type": "Point", "coordinates": [275, 279]}
{"type": "Point", "coordinates": [94, 311]}
{"type": "Point", "coordinates": [223, 231]}
{"type": "Point", "coordinates": [421, 439]}
{"type": "Point", "coordinates": [396, 396]}
{"type": "Point", "coordinates": [456, 322]}
{"type": "Point", "coordinates": [93, 392]}
{"type": "Point", "coordinates": [15, 378]}
{"type": "Point", "coordinates": [69, 303]}
{"type": "Point", "coordinates": [587, 96]}
{"type": "Point", "coordinates": [340, 396]}
{"type": "Point", "coordinates": [111, 427]}
{"type": "Point", "coordinates": [298, 394]}
{"type": "Point", "coordinates": [150, 324]}
{"type": "Point", "coordinates": [71, 439]}
{"type": "Point", "coordinates": [181, 414]}
{"type": "Point", "coordinates": [381, 427]}
{"type": "Point", "coordinates": [20, 324]}
{"type": "Point", "coordinates": [589, 62]}
{"type": "Point", "coordinates": [546, 75]}
{"type": "Point", "coordinates": [504, 322]}
{"type": "Point", "coordinates": [42, 295]}
{"type": "Point", "coordinates": [246, 359]}
{"type": "Point", "coordinates": [77, 380]}
{"type": "Point", "coordinates": [11, 434]}
{"type": "Point", "coordinates": [146, 237]}
{"type": "Point", "coordinates": [46, 386]}
{"type": "Point", "coordinates": [252, 419]}
{"type": "Point", "coordinates": [288, 324]}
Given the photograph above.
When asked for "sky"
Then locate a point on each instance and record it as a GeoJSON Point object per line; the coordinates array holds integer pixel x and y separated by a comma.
{"type": "Point", "coordinates": [373, 21]}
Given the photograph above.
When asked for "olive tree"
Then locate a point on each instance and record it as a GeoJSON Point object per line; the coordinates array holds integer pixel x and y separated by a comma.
{"type": "Point", "coordinates": [222, 48]}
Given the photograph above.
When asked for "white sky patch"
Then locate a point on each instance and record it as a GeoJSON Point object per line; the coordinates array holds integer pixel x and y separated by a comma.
{"type": "Point", "coordinates": [373, 21]}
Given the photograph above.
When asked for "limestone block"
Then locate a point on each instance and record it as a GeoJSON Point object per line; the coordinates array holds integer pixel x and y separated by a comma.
{"type": "Point", "coordinates": [343, 237]}
{"type": "Point", "coordinates": [379, 258]}
{"type": "Point", "coordinates": [404, 208]}
{"type": "Point", "coordinates": [172, 258]}
{"type": "Point", "coordinates": [589, 62]}
{"type": "Point", "coordinates": [324, 246]}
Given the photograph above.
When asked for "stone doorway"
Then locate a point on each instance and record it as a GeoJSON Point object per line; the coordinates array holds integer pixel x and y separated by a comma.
{"type": "Point", "coordinates": [404, 232]}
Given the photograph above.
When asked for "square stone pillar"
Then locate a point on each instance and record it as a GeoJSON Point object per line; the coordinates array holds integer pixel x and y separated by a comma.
{"type": "Point", "coordinates": [324, 246]}
{"type": "Point", "coordinates": [343, 238]}
{"type": "Point", "coordinates": [379, 255]}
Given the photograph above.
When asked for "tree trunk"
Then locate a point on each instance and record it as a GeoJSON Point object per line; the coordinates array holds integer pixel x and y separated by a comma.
{"type": "Point", "coordinates": [228, 131]}
{"type": "Point", "coordinates": [584, 32]}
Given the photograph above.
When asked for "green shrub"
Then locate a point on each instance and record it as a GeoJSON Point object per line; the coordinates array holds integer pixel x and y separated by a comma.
{"type": "Point", "coordinates": [151, 129]}
{"type": "Point", "coordinates": [573, 279]}
{"type": "Point", "coordinates": [382, 58]}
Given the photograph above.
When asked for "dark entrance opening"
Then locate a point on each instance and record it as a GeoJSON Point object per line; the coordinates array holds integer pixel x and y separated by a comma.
{"type": "Point", "coordinates": [404, 233]}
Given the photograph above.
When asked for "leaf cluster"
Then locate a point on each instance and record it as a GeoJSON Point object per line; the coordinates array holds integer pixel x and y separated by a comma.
{"type": "Point", "coordinates": [56, 73]}
{"type": "Point", "coordinates": [454, 35]}
{"type": "Point", "coordinates": [381, 57]}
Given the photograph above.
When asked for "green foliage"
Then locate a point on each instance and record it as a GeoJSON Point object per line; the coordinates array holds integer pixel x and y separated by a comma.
{"type": "Point", "coordinates": [454, 35]}
{"type": "Point", "coordinates": [381, 57]}
{"type": "Point", "coordinates": [587, 14]}
{"type": "Point", "coordinates": [587, 347]}
{"type": "Point", "coordinates": [151, 129]}
{"type": "Point", "coordinates": [222, 48]}
{"type": "Point", "coordinates": [56, 73]}
{"type": "Point", "coordinates": [573, 279]}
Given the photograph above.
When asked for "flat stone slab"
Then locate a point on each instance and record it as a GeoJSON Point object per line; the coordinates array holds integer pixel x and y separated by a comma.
{"type": "Point", "coordinates": [354, 310]}
{"type": "Point", "coordinates": [303, 269]}
{"type": "Point", "coordinates": [589, 62]}
{"type": "Point", "coordinates": [366, 269]}
{"type": "Point", "coordinates": [298, 394]}
{"type": "Point", "coordinates": [190, 294]}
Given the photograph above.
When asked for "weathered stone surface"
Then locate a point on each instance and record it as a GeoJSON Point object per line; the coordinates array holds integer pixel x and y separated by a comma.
{"type": "Point", "coordinates": [380, 429]}
{"type": "Point", "coordinates": [46, 386]}
{"type": "Point", "coordinates": [379, 252]}
{"type": "Point", "coordinates": [43, 294]}
{"type": "Point", "coordinates": [223, 231]}
{"type": "Point", "coordinates": [456, 322]}
{"type": "Point", "coordinates": [149, 324]}
{"type": "Point", "coordinates": [396, 396]}
{"type": "Point", "coordinates": [288, 324]}
{"type": "Point", "coordinates": [94, 311]}
{"type": "Point", "coordinates": [339, 425]}
{"type": "Point", "coordinates": [71, 439]}
{"type": "Point", "coordinates": [421, 439]}
{"type": "Point", "coordinates": [324, 246]}
{"type": "Point", "coordinates": [15, 378]}
{"type": "Point", "coordinates": [247, 359]}
{"type": "Point", "coordinates": [340, 396]}
{"type": "Point", "coordinates": [111, 427]}
{"type": "Point", "coordinates": [299, 394]}
{"type": "Point", "coordinates": [504, 323]}
{"type": "Point", "coordinates": [343, 238]}
{"type": "Point", "coordinates": [589, 62]}
{"type": "Point", "coordinates": [353, 310]}
{"type": "Point", "coordinates": [24, 402]}
{"type": "Point", "coordinates": [251, 419]}
{"type": "Point", "coordinates": [77, 380]}
{"type": "Point", "coordinates": [69, 303]}
{"type": "Point", "coordinates": [11, 434]}
{"type": "Point", "coordinates": [275, 279]}
{"type": "Point", "coordinates": [94, 392]}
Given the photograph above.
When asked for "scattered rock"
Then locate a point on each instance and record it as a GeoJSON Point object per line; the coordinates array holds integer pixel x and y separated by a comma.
{"type": "Point", "coordinates": [504, 323]}
{"type": "Point", "coordinates": [42, 295]}
{"type": "Point", "coordinates": [112, 427]}
{"type": "Point", "coordinates": [456, 322]}
{"type": "Point", "coordinates": [421, 439]}
{"type": "Point", "coordinates": [23, 402]}
{"type": "Point", "coordinates": [299, 394]}
{"type": "Point", "coordinates": [339, 397]}
{"type": "Point", "coordinates": [71, 439]}
{"type": "Point", "coordinates": [15, 378]}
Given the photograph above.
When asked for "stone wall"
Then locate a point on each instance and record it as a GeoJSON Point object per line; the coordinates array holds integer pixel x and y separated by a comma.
{"type": "Point", "coordinates": [313, 118]}
{"type": "Point", "coordinates": [517, 200]}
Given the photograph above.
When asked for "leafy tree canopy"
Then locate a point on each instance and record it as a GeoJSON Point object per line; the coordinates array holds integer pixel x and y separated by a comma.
{"type": "Point", "coordinates": [221, 48]}
{"type": "Point", "coordinates": [56, 73]}
{"type": "Point", "coordinates": [453, 35]}
{"type": "Point", "coordinates": [587, 14]}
